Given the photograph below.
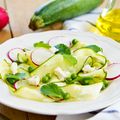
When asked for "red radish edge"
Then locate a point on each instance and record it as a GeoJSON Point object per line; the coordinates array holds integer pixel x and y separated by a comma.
{"type": "Point", "coordinates": [113, 64]}
{"type": "Point", "coordinates": [32, 60]}
{"type": "Point", "coordinates": [115, 77]}
{"type": "Point", "coordinates": [50, 41]}
{"type": "Point", "coordinates": [8, 54]}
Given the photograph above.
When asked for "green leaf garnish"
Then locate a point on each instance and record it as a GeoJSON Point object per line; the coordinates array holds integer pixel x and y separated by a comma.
{"type": "Point", "coordinates": [11, 78]}
{"type": "Point", "coordinates": [74, 42]}
{"type": "Point", "coordinates": [42, 44]}
{"type": "Point", "coordinates": [54, 91]}
{"type": "Point", "coordinates": [63, 49]}
{"type": "Point", "coordinates": [94, 48]}
{"type": "Point", "coordinates": [70, 59]}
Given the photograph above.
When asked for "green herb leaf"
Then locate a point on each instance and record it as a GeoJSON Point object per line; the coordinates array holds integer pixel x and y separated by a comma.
{"type": "Point", "coordinates": [74, 42]}
{"type": "Point", "coordinates": [63, 49]}
{"type": "Point", "coordinates": [42, 44]}
{"type": "Point", "coordinates": [11, 78]}
{"type": "Point", "coordinates": [70, 59]}
{"type": "Point", "coordinates": [53, 91]}
{"type": "Point", "coordinates": [94, 48]}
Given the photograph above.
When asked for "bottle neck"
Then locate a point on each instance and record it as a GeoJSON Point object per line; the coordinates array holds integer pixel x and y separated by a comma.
{"type": "Point", "coordinates": [109, 6]}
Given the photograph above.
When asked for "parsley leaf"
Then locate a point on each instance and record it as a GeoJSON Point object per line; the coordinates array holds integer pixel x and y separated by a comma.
{"type": "Point", "coordinates": [63, 49]}
{"type": "Point", "coordinates": [94, 48]}
{"type": "Point", "coordinates": [54, 91]}
{"type": "Point", "coordinates": [69, 58]}
{"type": "Point", "coordinates": [11, 78]}
{"type": "Point", "coordinates": [42, 44]}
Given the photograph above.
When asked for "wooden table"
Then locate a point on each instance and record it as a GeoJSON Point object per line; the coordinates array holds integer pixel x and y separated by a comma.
{"type": "Point", "coordinates": [19, 12]}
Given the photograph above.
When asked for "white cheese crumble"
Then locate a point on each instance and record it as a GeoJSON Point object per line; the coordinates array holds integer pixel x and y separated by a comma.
{"type": "Point", "coordinates": [14, 67]}
{"type": "Point", "coordinates": [34, 80]}
{"type": "Point", "coordinates": [61, 74]}
{"type": "Point", "coordinates": [88, 68]}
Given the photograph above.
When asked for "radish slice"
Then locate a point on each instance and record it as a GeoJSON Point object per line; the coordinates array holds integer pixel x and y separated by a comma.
{"type": "Point", "coordinates": [12, 54]}
{"type": "Point", "coordinates": [113, 71]}
{"type": "Point", "coordinates": [40, 55]}
{"type": "Point", "coordinates": [59, 40]}
{"type": "Point", "coordinates": [20, 83]}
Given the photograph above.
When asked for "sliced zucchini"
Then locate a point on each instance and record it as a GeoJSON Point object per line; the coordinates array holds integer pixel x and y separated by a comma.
{"type": "Point", "coordinates": [89, 61]}
{"type": "Point", "coordinates": [92, 77]}
{"type": "Point", "coordinates": [4, 68]}
{"type": "Point", "coordinates": [22, 57]}
{"type": "Point", "coordinates": [32, 93]}
{"type": "Point", "coordinates": [24, 66]}
{"type": "Point", "coordinates": [79, 92]}
{"type": "Point", "coordinates": [48, 66]}
{"type": "Point", "coordinates": [99, 61]}
{"type": "Point", "coordinates": [57, 61]}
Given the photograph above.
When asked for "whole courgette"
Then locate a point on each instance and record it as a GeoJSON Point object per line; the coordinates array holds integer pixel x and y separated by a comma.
{"type": "Point", "coordinates": [60, 10]}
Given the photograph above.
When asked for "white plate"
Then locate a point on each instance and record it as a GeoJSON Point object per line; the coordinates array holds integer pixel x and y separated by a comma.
{"type": "Point", "coordinates": [106, 98]}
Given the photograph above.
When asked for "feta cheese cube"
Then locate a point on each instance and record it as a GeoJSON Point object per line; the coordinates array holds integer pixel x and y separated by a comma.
{"type": "Point", "coordinates": [34, 80]}
{"type": "Point", "coordinates": [61, 74]}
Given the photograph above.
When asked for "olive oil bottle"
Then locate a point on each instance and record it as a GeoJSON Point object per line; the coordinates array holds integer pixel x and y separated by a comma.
{"type": "Point", "coordinates": [108, 22]}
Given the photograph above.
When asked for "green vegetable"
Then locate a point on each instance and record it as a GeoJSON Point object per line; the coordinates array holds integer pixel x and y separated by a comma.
{"type": "Point", "coordinates": [69, 80]}
{"type": "Point", "coordinates": [54, 91]}
{"type": "Point", "coordinates": [4, 68]}
{"type": "Point", "coordinates": [42, 44]}
{"type": "Point", "coordinates": [57, 60]}
{"type": "Point", "coordinates": [95, 48]}
{"type": "Point", "coordinates": [92, 77]}
{"type": "Point", "coordinates": [72, 79]}
{"type": "Point", "coordinates": [70, 59]}
{"type": "Point", "coordinates": [85, 80]}
{"type": "Point", "coordinates": [11, 78]}
{"type": "Point", "coordinates": [22, 58]}
{"type": "Point", "coordinates": [30, 69]}
{"type": "Point", "coordinates": [73, 76]}
{"type": "Point", "coordinates": [60, 10]}
{"type": "Point", "coordinates": [105, 84]}
{"type": "Point", "coordinates": [46, 78]}
{"type": "Point", "coordinates": [74, 42]}
{"type": "Point", "coordinates": [63, 49]}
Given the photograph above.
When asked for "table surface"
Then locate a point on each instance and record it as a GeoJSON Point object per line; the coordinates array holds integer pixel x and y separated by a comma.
{"type": "Point", "coordinates": [19, 12]}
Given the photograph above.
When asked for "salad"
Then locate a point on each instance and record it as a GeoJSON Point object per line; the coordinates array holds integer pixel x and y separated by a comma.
{"type": "Point", "coordinates": [57, 71]}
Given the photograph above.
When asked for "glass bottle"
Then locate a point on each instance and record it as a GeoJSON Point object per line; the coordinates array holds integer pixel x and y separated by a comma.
{"type": "Point", "coordinates": [108, 22]}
